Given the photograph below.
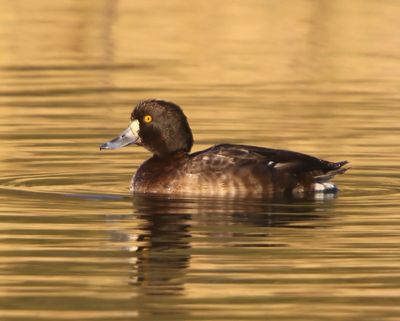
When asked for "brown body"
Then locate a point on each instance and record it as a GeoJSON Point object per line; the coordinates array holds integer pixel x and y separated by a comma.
{"type": "Point", "coordinates": [234, 170]}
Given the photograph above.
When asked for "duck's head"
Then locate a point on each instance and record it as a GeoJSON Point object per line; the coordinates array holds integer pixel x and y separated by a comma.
{"type": "Point", "coordinates": [160, 126]}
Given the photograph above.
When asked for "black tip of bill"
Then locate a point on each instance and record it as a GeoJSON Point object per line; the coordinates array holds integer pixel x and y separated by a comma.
{"type": "Point", "coordinates": [104, 146]}
{"type": "Point", "coordinates": [112, 144]}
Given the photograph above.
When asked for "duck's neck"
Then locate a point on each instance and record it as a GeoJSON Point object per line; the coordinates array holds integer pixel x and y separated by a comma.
{"type": "Point", "coordinates": [175, 156]}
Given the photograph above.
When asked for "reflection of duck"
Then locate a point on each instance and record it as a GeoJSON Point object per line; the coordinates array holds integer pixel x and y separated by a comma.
{"type": "Point", "coordinates": [163, 255]}
{"type": "Point", "coordinates": [168, 231]}
{"type": "Point", "coordinates": [177, 244]}
{"type": "Point", "coordinates": [162, 128]}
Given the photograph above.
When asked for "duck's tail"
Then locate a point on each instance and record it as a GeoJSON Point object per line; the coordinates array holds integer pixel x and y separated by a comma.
{"type": "Point", "coordinates": [334, 169]}
{"type": "Point", "coordinates": [322, 184]}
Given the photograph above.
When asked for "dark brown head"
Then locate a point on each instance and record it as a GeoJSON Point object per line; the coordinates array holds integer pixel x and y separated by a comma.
{"type": "Point", "coordinates": [160, 126]}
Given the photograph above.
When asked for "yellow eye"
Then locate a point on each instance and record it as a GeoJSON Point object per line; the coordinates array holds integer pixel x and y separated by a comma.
{"type": "Point", "coordinates": [147, 119]}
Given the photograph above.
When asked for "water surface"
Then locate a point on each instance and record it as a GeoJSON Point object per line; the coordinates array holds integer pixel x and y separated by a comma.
{"type": "Point", "coordinates": [319, 77]}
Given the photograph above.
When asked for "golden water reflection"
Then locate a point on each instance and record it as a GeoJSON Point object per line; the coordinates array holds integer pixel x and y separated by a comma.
{"type": "Point", "coordinates": [320, 77]}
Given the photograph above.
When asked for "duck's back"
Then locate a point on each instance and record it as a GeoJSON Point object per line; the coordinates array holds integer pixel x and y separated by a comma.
{"type": "Point", "coordinates": [232, 170]}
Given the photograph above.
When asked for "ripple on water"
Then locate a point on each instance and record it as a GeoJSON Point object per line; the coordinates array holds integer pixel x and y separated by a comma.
{"type": "Point", "coordinates": [358, 186]}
